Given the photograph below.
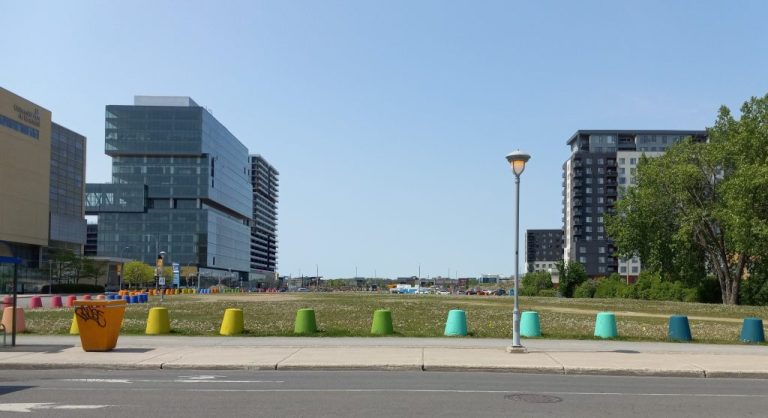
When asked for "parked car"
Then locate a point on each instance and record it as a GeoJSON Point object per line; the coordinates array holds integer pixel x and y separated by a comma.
{"type": "Point", "coordinates": [500, 292]}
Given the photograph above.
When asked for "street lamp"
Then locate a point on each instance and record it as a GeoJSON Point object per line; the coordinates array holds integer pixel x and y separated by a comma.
{"type": "Point", "coordinates": [517, 162]}
{"type": "Point", "coordinates": [160, 278]}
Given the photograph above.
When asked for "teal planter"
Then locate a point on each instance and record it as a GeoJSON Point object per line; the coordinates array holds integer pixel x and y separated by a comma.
{"type": "Point", "coordinates": [530, 326]}
{"type": "Point", "coordinates": [605, 325]}
{"type": "Point", "coordinates": [679, 330]}
{"type": "Point", "coordinates": [456, 325]}
{"type": "Point", "coordinates": [752, 331]}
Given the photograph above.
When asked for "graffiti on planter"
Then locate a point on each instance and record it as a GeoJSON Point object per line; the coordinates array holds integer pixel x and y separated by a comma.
{"type": "Point", "coordinates": [91, 313]}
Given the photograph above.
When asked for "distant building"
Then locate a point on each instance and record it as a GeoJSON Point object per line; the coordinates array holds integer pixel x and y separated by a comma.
{"type": "Point", "coordinates": [180, 185]}
{"type": "Point", "coordinates": [263, 253]}
{"type": "Point", "coordinates": [543, 249]}
{"type": "Point", "coordinates": [601, 166]}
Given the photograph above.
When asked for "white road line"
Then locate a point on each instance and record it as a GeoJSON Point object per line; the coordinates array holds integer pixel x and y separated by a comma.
{"type": "Point", "coordinates": [28, 407]}
{"type": "Point", "coordinates": [129, 381]}
{"type": "Point", "coordinates": [417, 391]}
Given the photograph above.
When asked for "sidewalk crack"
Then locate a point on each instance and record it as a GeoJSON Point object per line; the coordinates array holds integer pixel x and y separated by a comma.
{"type": "Point", "coordinates": [277, 364]}
{"type": "Point", "coordinates": [562, 366]}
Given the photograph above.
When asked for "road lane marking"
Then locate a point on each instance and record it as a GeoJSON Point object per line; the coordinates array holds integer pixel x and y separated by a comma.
{"type": "Point", "coordinates": [416, 391]}
{"type": "Point", "coordinates": [129, 381]}
{"type": "Point", "coordinates": [29, 407]}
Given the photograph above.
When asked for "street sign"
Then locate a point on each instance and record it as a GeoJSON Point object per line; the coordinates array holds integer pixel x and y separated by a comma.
{"type": "Point", "coordinates": [161, 281]}
{"type": "Point", "coordinates": [176, 281]}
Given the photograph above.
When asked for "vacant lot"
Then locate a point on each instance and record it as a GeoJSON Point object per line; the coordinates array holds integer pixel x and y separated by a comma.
{"type": "Point", "coordinates": [349, 314]}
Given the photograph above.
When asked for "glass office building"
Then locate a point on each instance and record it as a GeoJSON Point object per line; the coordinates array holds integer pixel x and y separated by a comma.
{"type": "Point", "coordinates": [67, 222]}
{"type": "Point", "coordinates": [180, 184]}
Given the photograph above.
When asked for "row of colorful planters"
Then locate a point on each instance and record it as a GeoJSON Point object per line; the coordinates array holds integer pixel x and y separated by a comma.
{"type": "Point", "coordinates": [158, 322]}
{"type": "Point", "coordinates": [57, 301]}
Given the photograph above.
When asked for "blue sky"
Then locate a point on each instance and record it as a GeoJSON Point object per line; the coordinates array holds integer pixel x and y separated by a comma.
{"type": "Point", "coordinates": [389, 120]}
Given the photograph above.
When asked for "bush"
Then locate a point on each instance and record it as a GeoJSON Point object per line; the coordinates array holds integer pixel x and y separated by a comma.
{"type": "Point", "coordinates": [611, 287]}
{"type": "Point", "coordinates": [754, 291]}
{"type": "Point", "coordinates": [549, 293]}
{"type": "Point", "coordinates": [533, 283]}
{"type": "Point", "coordinates": [585, 290]}
{"type": "Point", "coordinates": [73, 288]}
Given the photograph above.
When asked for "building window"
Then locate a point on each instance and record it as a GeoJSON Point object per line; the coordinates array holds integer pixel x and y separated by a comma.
{"type": "Point", "coordinates": [589, 219]}
{"type": "Point", "coordinates": [600, 229]}
{"type": "Point", "coordinates": [583, 250]}
{"type": "Point", "coordinates": [601, 260]}
{"type": "Point", "coordinates": [583, 260]}
{"type": "Point", "coordinates": [589, 190]}
{"type": "Point", "coordinates": [622, 161]}
{"type": "Point", "coordinates": [589, 161]}
{"type": "Point", "coordinates": [633, 161]}
{"type": "Point", "coordinates": [600, 180]}
{"type": "Point", "coordinates": [623, 269]}
{"type": "Point", "coordinates": [622, 180]}
{"type": "Point", "coordinates": [601, 250]}
{"type": "Point", "coordinates": [634, 269]}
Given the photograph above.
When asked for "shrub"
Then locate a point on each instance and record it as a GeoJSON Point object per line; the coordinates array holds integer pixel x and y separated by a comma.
{"type": "Point", "coordinates": [754, 291]}
{"type": "Point", "coordinates": [585, 290]}
{"type": "Point", "coordinates": [533, 283]}
{"type": "Point", "coordinates": [611, 287]}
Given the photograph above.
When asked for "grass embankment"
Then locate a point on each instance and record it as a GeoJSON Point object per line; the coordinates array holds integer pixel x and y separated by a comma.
{"type": "Point", "coordinates": [349, 314]}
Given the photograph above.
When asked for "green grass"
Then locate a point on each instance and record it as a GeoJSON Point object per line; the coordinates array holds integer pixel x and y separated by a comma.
{"type": "Point", "coordinates": [350, 314]}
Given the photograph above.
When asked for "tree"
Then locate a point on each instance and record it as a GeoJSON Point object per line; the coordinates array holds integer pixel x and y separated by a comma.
{"type": "Point", "coordinates": [572, 274]}
{"type": "Point", "coordinates": [137, 273]}
{"type": "Point", "coordinates": [702, 205]}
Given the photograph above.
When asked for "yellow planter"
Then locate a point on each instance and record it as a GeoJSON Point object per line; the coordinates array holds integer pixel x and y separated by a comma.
{"type": "Point", "coordinates": [99, 323]}
{"type": "Point", "coordinates": [232, 324]}
{"type": "Point", "coordinates": [158, 322]}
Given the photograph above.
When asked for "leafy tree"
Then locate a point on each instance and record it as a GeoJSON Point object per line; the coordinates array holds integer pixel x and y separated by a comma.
{"type": "Point", "coordinates": [702, 205]}
{"type": "Point", "coordinates": [572, 274]}
{"type": "Point", "coordinates": [585, 290]}
{"type": "Point", "coordinates": [137, 273]}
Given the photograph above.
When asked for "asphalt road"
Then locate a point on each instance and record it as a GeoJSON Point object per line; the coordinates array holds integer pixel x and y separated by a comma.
{"type": "Point", "coordinates": [185, 393]}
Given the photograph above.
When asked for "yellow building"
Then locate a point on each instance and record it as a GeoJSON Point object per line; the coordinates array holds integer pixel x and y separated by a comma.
{"type": "Point", "coordinates": [25, 165]}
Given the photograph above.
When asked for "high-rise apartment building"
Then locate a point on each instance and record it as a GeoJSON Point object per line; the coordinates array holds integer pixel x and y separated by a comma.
{"type": "Point", "coordinates": [601, 166]}
{"type": "Point", "coordinates": [543, 249]}
{"type": "Point", "coordinates": [264, 180]}
{"type": "Point", "coordinates": [180, 185]}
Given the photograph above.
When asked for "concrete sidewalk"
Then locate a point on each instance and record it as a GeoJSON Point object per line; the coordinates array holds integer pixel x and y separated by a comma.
{"type": "Point", "coordinates": [427, 354]}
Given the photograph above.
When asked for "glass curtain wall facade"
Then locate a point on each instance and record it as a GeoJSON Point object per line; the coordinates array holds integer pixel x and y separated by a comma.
{"type": "Point", "coordinates": [196, 206]}
{"type": "Point", "coordinates": [264, 179]}
{"type": "Point", "coordinates": [67, 224]}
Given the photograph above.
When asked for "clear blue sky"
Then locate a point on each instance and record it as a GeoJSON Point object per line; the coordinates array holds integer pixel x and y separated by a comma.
{"type": "Point", "coordinates": [389, 120]}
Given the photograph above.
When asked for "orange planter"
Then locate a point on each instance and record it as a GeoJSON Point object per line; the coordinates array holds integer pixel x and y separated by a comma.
{"type": "Point", "coordinates": [99, 323]}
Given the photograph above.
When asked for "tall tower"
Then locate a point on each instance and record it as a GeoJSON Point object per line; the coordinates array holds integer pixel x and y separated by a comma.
{"type": "Point", "coordinates": [264, 179]}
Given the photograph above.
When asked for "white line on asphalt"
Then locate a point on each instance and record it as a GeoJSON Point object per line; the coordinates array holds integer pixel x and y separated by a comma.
{"type": "Point", "coordinates": [129, 381]}
{"type": "Point", "coordinates": [406, 391]}
{"type": "Point", "coordinates": [714, 395]}
{"type": "Point", "coordinates": [28, 407]}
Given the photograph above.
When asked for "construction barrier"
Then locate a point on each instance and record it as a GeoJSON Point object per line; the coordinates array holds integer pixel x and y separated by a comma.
{"type": "Point", "coordinates": [56, 301]}
{"type": "Point", "coordinates": [35, 302]}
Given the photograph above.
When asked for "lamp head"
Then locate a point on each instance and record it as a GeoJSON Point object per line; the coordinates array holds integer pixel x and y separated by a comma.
{"type": "Point", "coordinates": [517, 160]}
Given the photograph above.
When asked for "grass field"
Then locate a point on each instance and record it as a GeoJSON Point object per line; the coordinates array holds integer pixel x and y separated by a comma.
{"type": "Point", "coordinates": [350, 314]}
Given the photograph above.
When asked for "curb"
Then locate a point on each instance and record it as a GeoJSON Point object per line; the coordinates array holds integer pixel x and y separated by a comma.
{"type": "Point", "coordinates": [517, 370]}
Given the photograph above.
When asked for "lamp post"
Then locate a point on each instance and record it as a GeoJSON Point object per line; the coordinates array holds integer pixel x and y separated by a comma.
{"type": "Point", "coordinates": [160, 278]}
{"type": "Point", "coordinates": [517, 162]}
